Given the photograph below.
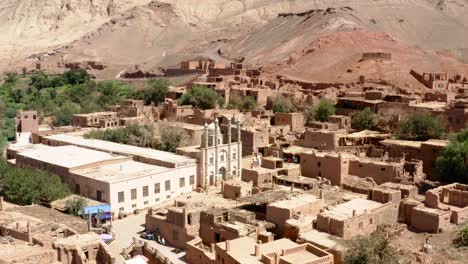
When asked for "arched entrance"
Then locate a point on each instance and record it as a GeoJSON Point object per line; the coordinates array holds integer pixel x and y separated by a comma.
{"type": "Point", "coordinates": [212, 178]}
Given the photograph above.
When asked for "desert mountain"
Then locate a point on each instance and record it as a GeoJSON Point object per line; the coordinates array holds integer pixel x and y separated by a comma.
{"type": "Point", "coordinates": [314, 39]}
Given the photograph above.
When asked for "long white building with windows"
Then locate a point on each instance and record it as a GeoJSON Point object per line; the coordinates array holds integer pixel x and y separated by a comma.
{"type": "Point", "coordinates": [126, 177]}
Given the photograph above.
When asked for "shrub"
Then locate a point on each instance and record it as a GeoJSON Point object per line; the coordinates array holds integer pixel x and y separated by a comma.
{"type": "Point", "coordinates": [112, 92]}
{"type": "Point", "coordinates": [282, 104]}
{"type": "Point", "coordinates": [64, 115]}
{"type": "Point", "coordinates": [461, 239]}
{"type": "Point", "coordinates": [155, 92]}
{"type": "Point", "coordinates": [421, 127]}
{"type": "Point", "coordinates": [25, 186]}
{"type": "Point", "coordinates": [75, 205]}
{"type": "Point", "coordinates": [325, 109]}
{"type": "Point", "coordinates": [201, 97]}
{"type": "Point", "coordinates": [170, 138]}
{"type": "Point", "coordinates": [364, 119]}
{"type": "Point", "coordinates": [452, 164]}
{"type": "Point", "coordinates": [247, 103]}
{"type": "Point", "coordinates": [375, 249]}
{"type": "Point", "coordinates": [162, 137]}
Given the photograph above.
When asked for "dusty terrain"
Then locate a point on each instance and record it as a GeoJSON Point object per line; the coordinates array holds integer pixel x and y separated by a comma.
{"type": "Point", "coordinates": [314, 40]}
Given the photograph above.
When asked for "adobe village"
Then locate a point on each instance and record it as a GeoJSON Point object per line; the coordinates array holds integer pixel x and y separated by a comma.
{"type": "Point", "coordinates": [215, 159]}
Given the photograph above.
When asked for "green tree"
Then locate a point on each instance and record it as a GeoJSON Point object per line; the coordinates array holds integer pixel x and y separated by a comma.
{"type": "Point", "coordinates": [282, 104]}
{"type": "Point", "coordinates": [11, 78]}
{"type": "Point", "coordinates": [27, 186]}
{"type": "Point", "coordinates": [247, 103]}
{"type": "Point", "coordinates": [75, 205]}
{"type": "Point", "coordinates": [63, 116]}
{"type": "Point", "coordinates": [375, 249]}
{"type": "Point", "coordinates": [112, 92]}
{"type": "Point", "coordinates": [421, 127]}
{"type": "Point", "coordinates": [76, 76]}
{"type": "Point", "coordinates": [325, 109]}
{"type": "Point", "coordinates": [452, 164]}
{"type": "Point", "coordinates": [201, 97]}
{"type": "Point", "coordinates": [363, 120]}
{"type": "Point", "coordinates": [171, 138]}
{"type": "Point", "coordinates": [155, 91]}
{"type": "Point", "coordinates": [136, 135]}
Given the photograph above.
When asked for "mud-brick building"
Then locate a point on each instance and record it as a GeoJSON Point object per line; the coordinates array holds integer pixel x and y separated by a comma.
{"type": "Point", "coordinates": [280, 211]}
{"type": "Point", "coordinates": [356, 217]}
{"type": "Point", "coordinates": [294, 120]}
{"type": "Point", "coordinates": [97, 120]}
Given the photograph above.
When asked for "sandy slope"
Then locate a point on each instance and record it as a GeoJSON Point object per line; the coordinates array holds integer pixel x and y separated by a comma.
{"type": "Point", "coordinates": [122, 33]}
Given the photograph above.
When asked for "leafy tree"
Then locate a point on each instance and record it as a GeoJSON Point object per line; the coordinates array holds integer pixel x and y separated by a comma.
{"type": "Point", "coordinates": [75, 205]}
{"type": "Point", "coordinates": [364, 119]}
{"type": "Point", "coordinates": [171, 138]}
{"type": "Point", "coordinates": [40, 81]}
{"type": "Point", "coordinates": [154, 92]}
{"type": "Point", "coordinates": [76, 76]}
{"type": "Point", "coordinates": [421, 126]}
{"type": "Point", "coordinates": [63, 116]}
{"type": "Point", "coordinates": [246, 104]}
{"type": "Point", "coordinates": [249, 104]}
{"type": "Point", "coordinates": [162, 137]}
{"type": "Point", "coordinates": [452, 164]}
{"type": "Point", "coordinates": [282, 104]}
{"type": "Point", "coordinates": [112, 92]}
{"type": "Point", "coordinates": [11, 78]}
{"type": "Point", "coordinates": [142, 136]}
{"type": "Point", "coordinates": [375, 249]}
{"type": "Point", "coordinates": [27, 186]}
{"type": "Point", "coordinates": [325, 109]}
{"type": "Point", "coordinates": [201, 97]}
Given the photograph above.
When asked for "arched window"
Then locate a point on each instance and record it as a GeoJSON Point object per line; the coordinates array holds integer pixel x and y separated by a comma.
{"type": "Point", "coordinates": [234, 171]}
{"type": "Point", "coordinates": [234, 156]}
{"type": "Point", "coordinates": [211, 158]}
{"type": "Point", "coordinates": [221, 158]}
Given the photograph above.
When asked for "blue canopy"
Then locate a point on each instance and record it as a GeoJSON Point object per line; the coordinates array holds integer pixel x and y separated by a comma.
{"type": "Point", "coordinates": [103, 208]}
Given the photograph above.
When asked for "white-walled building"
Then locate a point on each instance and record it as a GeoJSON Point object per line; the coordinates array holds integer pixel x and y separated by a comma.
{"type": "Point", "coordinates": [119, 180]}
{"type": "Point", "coordinates": [217, 161]}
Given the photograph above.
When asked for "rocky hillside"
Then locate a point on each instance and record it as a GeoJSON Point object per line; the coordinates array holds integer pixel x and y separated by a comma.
{"type": "Point", "coordinates": [314, 39]}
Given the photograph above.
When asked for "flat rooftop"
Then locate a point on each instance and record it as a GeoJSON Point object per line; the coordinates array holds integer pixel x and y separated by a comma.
{"type": "Point", "coordinates": [243, 249]}
{"type": "Point", "coordinates": [276, 246]}
{"type": "Point", "coordinates": [431, 105]}
{"type": "Point", "coordinates": [322, 239]}
{"type": "Point", "coordinates": [295, 201]}
{"type": "Point", "coordinates": [120, 171]}
{"type": "Point", "coordinates": [68, 156]}
{"type": "Point", "coordinates": [21, 251]}
{"type": "Point", "coordinates": [26, 146]}
{"type": "Point", "coordinates": [79, 240]}
{"type": "Point", "coordinates": [300, 257]}
{"type": "Point", "coordinates": [96, 114]}
{"type": "Point", "coordinates": [404, 143]}
{"type": "Point", "coordinates": [122, 149]}
{"type": "Point", "coordinates": [437, 142]}
{"type": "Point", "coordinates": [345, 210]}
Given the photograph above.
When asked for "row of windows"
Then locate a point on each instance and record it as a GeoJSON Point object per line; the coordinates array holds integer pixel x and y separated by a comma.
{"type": "Point", "coordinates": [222, 157]}
{"type": "Point", "coordinates": [157, 189]}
